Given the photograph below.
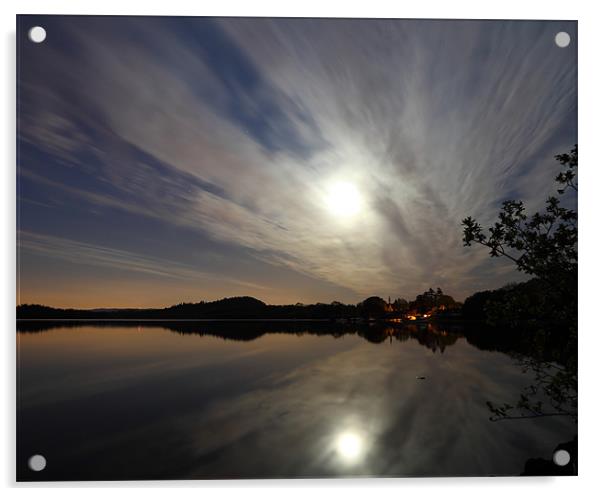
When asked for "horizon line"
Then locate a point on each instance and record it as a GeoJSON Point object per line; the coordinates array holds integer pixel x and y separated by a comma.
{"type": "Point", "coordinates": [220, 299]}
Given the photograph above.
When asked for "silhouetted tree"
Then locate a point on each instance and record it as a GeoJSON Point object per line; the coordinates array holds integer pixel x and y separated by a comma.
{"type": "Point", "coordinates": [374, 307]}
{"type": "Point", "coordinates": [400, 305]}
{"type": "Point", "coordinates": [543, 245]}
{"type": "Point", "coordinates": [432, 301]}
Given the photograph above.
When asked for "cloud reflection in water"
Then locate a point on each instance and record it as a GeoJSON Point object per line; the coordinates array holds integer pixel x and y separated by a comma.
{"type": "Point", "coordinates": [281, 405]}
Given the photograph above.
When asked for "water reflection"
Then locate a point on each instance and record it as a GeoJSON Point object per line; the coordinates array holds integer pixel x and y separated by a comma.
{"type": "Point", "coordinates": [268, 400]}
{"type": "Point", "coordinates": [350, 446]}
{"type": "Point", "coordinates": [436, 337]}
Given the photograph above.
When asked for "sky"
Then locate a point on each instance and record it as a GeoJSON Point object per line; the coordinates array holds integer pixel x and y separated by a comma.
{"type": "Point", "coordinates": [163, 160]}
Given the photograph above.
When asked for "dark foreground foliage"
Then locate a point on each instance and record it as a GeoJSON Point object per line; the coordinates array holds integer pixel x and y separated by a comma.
{"type": "Point", "coordinates": [541, 314]}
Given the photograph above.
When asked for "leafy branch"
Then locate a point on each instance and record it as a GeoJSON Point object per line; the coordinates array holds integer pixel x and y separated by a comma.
{"type": "Point", "coordinates": [543, 245]}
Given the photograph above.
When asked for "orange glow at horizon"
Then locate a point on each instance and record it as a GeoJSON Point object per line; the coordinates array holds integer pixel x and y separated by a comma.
{"type": "Point", "coordinates": [139, 294]}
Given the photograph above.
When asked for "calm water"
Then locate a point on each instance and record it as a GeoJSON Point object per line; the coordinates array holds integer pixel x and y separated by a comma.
{"type": "Point", "coordinates": [211, 401]}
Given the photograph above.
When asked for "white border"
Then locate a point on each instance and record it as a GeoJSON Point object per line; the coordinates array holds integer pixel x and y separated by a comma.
{"type": "Point", "coordinates": [590, 112]}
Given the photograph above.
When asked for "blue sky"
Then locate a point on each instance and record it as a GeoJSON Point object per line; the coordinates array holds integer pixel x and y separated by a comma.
{"type": "Point", "coordinates": [178, 159]}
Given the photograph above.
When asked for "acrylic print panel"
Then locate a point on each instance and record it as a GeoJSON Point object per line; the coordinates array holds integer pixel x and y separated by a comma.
{"type": "Point", "coordinates": [258, 248]}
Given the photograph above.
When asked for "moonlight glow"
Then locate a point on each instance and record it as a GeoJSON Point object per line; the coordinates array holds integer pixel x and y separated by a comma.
{"type": "Point", "coordinates": [293, 160]}
{"type": "Point", "coordinates": [349, 446]}
{"type": "Point", "coordinates": [343, 199]}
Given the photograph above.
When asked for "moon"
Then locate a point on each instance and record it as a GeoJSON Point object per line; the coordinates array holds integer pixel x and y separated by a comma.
{"type": "Point", "coordinates": [343, 199]}
{"type": "Point", "coordinates": [349, 446]}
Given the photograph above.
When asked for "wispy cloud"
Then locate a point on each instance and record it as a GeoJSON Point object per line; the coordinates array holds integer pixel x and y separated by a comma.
{"type": "Point", "coordinates": [103, 256]}
{"type": "Point", "coordinates": [432, 120]}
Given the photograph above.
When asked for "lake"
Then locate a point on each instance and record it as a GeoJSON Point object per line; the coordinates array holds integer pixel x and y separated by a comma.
{"type": "Point", "coordinates": [154, 400]}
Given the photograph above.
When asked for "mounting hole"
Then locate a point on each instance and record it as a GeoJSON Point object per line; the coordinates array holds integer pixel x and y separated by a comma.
{"type": "Point", "coordinates": [37, 34]}
{"type": "Point", "coordinates": [37, 463]}
{"type": "Point", "coordinates": [562, 458]}
{"type": "Point", "coordinates": [562, 39]}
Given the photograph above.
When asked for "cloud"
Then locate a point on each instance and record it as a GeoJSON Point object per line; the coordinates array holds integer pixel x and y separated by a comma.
{"type": "Point", "coordinates": [102, 256]}
{"type": "Point", "coordinates": [236, 127]}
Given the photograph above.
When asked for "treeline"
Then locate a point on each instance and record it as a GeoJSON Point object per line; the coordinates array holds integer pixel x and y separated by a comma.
{"type": "Point", "coordinates": [242, 307]}
{"type": "Point", "coordinates": [510, 306]}
{"type": "Point", "coordinates": [518, 303]}
{"type": "Point", "coordinates": [247, 307]}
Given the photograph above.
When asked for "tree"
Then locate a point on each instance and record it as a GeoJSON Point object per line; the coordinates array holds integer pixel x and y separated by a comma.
{"type": "Point", "coordinates": [543, 245]}
{"type": "Point", "coordinates": [432, 301]}
{"type": "Point", "coordinates": [374, 306]}
{"type": "Point", "coordinates": [400, 305]}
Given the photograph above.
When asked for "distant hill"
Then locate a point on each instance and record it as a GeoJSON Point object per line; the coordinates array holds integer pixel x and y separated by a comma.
{"type": "Point", "coordinates": [238, 307]}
